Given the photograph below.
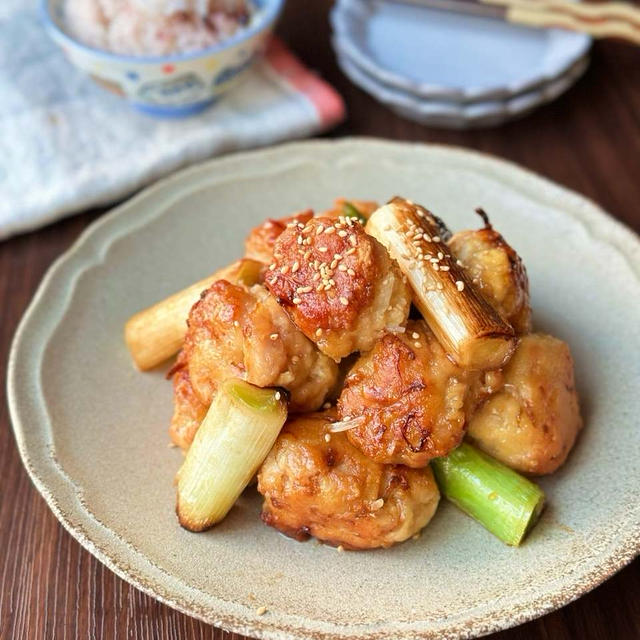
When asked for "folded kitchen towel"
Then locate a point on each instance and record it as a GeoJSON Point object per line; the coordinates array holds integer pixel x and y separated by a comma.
{"type": "Point", "coordinates": [67, 145]}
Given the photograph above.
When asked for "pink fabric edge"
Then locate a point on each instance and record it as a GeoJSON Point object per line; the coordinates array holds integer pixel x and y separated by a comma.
{"type": "Point", "coordinates": [326, 100]}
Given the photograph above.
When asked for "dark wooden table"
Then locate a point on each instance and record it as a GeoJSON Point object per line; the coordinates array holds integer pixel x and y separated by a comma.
{"type": "Point", "coordinates": [589, 140]}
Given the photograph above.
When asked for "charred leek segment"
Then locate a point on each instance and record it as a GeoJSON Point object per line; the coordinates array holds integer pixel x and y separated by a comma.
{"type": "Point", "coordinates": [500, 499]}
{"type": "Point", "coordinates": [464, 323]}
{"type": "Point", "coordinates": [157, 333]}
{"type": "Point", "coordinates": [350, 211]}
{"type": "Point", "coordinates": [233, 440]}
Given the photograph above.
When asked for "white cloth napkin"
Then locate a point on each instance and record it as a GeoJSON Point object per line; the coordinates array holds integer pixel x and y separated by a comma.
{"type": "Point", "coordinates": [67, 145]}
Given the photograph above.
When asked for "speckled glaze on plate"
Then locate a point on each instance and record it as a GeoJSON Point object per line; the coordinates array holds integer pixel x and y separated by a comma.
{"type": "Point", "coordinates": [92, 431]}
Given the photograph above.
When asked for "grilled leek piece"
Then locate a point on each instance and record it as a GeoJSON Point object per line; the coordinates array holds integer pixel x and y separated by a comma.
{"type": "Point", "coordinates": [500, 499]}
{"type": "Point", "coordinates": [157, 333]}
{"type": "Point", "coordinates": [464, 323]}
{"type": "Point", "coordinates": [233, 440]}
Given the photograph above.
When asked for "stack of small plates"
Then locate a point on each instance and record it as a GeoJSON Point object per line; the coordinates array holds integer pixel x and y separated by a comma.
{"type": "Point", "coordinates": [452, 70]}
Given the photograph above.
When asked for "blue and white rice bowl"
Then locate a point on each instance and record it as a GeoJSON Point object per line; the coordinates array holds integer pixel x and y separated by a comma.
{"type": "Point", "coordinates": [175, 85]}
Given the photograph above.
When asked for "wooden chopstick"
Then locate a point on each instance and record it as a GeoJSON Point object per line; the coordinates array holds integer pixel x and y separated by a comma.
{"type": "Point", "coordinates": [600, 20]}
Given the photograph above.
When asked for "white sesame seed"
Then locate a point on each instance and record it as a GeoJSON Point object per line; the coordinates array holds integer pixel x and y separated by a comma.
{"type": "Point", "coordinates": [320, 229]}
{"type": "Point", "coordinates": [295, 267]}
{"type": "Point", "coordinates": [284, 269]}
{"type": "Point", "coordinates": [300, 239]}
{"type": "Point", "coordinates": [278, 395]}
{"type": "Point", "coordinates": [377, 504]}
{"type": "Point", "coordinates": [348, 252]}
{"type": "Point", "coordinates": [460, 285]}
{"type": "Point", "coordinates": [318, 331]}
{"type": "Point", "coordinates": [296, 301]}
{"type": "Point", "coordinates": [435, 266]}
{"type": "Point", "coordinates": [274, 336]}
{"type": "Point", "coordinates": [440, 286]}
{"type": "Point", "coordinates": [260, 611]}
{"type": "Point", "coordinates": [415, 335]}
{"type": "Point", "coordinates": [272, 267]}
{"type": "Point", "coordinates": [440, 255]}
{"type": "Point", "coordinates": [343, 234]}
{"type": "Point", "coordinates": [436, 239]}
{"type": "Point", "coordinates": [342, 267]}
{"type": "Point", "coordinates": [351, 272]}
{"type": "Point", "coordinates": [444, 267]}
{"type": "Point", "coordinates": [340, 548]}
{"type": "Point", "coordinates": [344, 301]}
{"type": "Point", "coordinates": [322, 249]}
{"type": "Point", "coordinates": [337, 256]}
{"type": "Point", "coordinates": [329, 230]}
{"type": "Point", "coordinates": [353, 240]}
{"type": "Point", "coordinates": [417, 345]}
{"type": "Point", "coordinates": [326, 405]}
{"type": "Point", "coordinates": [236, 323]}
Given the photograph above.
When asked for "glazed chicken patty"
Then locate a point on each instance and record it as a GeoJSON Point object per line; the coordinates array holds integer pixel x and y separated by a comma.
{"type": "Point", "coordinates": [258, 245]}
{"type": "Point", "coordinates": [498, 272]}
{"type": "Point", "coordinates": [238, 331]}
{"type": "Point", "coordinates": [405, 398]}
{"type": "Point", "coordinates": [338, 284]}
{"type": "Point", "coordinates": [532, 423]}
{"type": "Point", "coordinates": [330, 490]}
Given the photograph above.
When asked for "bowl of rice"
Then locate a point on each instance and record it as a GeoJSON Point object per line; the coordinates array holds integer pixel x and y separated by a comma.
{"type": "Point", "coordinates": [168, 58]}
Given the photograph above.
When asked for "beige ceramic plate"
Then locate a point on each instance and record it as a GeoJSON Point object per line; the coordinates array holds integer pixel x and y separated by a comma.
{"type": "Point", "coordinates": [92, 431]}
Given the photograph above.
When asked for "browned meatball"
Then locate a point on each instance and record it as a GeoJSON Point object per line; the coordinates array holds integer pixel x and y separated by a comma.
{"type": "Point", "coordinates": [406, 399]}
{"type": "Point", "coordinates": [532, 423]}
{"type": "Point", "coordinates": [338, 284]}
{"type": "Point", "coordinates": [498, 272]}
{"type": "Point", "coordinates": [242, 332]}
{"type": "Point", "coordinates": [188, 410]}
{"type": "Point", "coordinates": [316, 483]}
{"type": "Point", "coordinates": [259, 243]}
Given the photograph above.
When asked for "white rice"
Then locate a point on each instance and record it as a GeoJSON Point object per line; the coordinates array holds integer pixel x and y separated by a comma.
{"type": "Point", "coordinates": [154, 27]}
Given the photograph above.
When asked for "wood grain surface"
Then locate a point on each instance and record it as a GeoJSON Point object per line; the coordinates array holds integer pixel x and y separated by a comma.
{"type": "Point", "coordinates": [589, 140]}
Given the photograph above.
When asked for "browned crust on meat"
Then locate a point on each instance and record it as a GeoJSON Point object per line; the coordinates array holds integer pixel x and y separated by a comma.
{"type": "Point", "coordinates": [319, 256]}
{"type": "Point", "coordinates": [515, 308]}
{"type": "Point", "coordinates": [261, 239]}
{"type": "Point", "coordinates": [410, 396]}
{"type": "Point", "coordinates": [326, 488]}
{"type": "Point", "coordinates": [188, 410]}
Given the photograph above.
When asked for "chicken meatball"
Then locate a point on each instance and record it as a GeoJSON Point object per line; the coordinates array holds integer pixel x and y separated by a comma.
{"type": "Point", "coordinates": [259, 243]}
{"type": "Point", "coordinates": [315, 483]}
{"type": "Point", "coordinates": [242, 332]}
{"type": "Point", "coordinates": [532, 423]}
{"type": "Point", "coordinates": [188, 410]}
{"type": "Point", "coordinates": [498, 272]}
{"type": "Point", "coordinates": [338, 284]}
{"type": "Point", "coordinates": [405, 399]}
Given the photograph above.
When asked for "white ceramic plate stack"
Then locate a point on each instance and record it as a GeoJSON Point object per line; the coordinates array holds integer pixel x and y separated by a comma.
{"type": "Point", "coordinates": [452, 70]}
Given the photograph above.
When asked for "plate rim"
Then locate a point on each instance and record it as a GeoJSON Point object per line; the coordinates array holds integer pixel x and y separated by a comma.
{"type": "Point", "coordinates": [612, 231]}
{"type": "Point", "coordinates": [339, 17]}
